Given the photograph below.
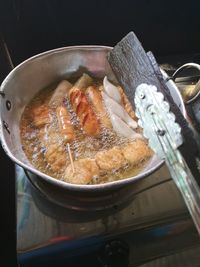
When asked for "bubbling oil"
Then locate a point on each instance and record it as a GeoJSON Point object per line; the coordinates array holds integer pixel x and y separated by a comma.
{"type": "Point", "coordinates": [39, 142]}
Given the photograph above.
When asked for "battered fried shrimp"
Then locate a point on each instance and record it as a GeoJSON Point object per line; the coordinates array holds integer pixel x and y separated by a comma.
{"type": "Point", "coordinates": [64, 122]}
{"type": "Point", "coordinates": [127, 105]}
{"type": "Point", "coordinates": [59, 93]}
{"type": "Point", "coordinates": [110, 159]}
{"type": "Point", "coordinates": [85, 170]}
{"type": "Point", "coordinates": [95, 98]}
{"type": "Point", "coordinates": [41, 116]}
{"type": "Point", "coordinates": [136, 152]}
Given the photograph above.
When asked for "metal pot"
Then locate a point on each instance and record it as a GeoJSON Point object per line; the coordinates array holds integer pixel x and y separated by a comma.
{"type": "Point", "coordinates": [39, 71]}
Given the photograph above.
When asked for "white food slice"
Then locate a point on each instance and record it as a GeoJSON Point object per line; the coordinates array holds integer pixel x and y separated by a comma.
{"type": "Point", "coordinates": [117, 109]}
{"type": "Point", "coordinates": [122, 128]}
{"type": "Point", "coordinates": [111, 90]}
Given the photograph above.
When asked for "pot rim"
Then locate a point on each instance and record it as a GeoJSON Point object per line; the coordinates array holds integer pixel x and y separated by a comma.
{"type": "Point", "coordinates": [51, 51]}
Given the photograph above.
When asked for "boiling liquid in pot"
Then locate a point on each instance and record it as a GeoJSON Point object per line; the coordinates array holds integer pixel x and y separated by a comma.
{"type": "Point", "coordinates": [35, 142]}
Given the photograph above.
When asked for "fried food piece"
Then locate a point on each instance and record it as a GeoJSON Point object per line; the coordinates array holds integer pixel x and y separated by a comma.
{"type": "Point", "coordinates": [81, 106]}
{"type": "Point", "coordinates": [40, 116]}
{"type": "Point", "coordinates": [55, 152]}
{"type": "Point", "coordinates": [84, 111]}
{"type": "Point", "coordinates": [95, 98]}
{"type": "Point", "coordinates": [136, 152]}
{"type": "Point", "coordinates": [60, 92]}
{"type": "Point", "coordinates": [56, 156]}
{"type": "Point", "coordinates": [51, 139]}
{"type": "Point", "coordinates": [63, 116]}
{"type": "Point", "coordinates": [110, 159]}
{"type": "Point", "coordinates": [127, 105]}
{"type": "Point", "coordinates": [85, 170]}
{"type": "Point", "coordinates": [64, 122]}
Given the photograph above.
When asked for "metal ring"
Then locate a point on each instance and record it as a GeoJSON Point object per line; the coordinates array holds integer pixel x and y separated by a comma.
{"type": "Point", "coordinates": [179, 70]}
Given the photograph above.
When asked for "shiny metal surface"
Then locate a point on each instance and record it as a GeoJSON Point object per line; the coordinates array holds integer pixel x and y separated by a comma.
{"type": "Point", "coordinates": [40, 71]}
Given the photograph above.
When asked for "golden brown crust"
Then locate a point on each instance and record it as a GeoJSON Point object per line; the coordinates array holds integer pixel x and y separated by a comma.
{"type": "Point", "coordinates": [64, 122]}
{"type": "Point", "coordinates": [40, 115]}
{"type": "Point", "coordinates": [84, 111]}
{"type": "Point", "coordinates": [136, 152]}
{"type": "Point", "coordinates": [127, 105]}
{"type": "Point", "coordinates": [110, 159]}
{"type": "Point", "coordinates": [55, 152]}
{"type": "Point", "coordinates": [85, 170]}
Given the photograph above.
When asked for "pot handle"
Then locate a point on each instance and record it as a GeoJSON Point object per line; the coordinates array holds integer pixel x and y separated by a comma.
{"type": "Point", "coordinates": [190, 94]}
{"type": "Point", "coordinates": [191, 98]}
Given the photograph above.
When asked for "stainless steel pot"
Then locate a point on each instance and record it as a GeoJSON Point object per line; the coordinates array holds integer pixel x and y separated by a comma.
{"type": "Point", "coordinates": [39, 71]}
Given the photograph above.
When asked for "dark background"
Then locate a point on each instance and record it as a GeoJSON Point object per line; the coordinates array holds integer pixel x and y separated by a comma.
{"type": "Point", "coordinates": [29, 27]}
{"type": "Point", "coordinates": [165, 27]}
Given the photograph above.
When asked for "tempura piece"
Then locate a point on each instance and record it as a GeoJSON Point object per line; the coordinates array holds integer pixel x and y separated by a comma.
{"type": "Point", "coordinates": [108, 160]}
{"type": "Point", "coordinates": [56, 157]}
{"type": "Point", "coordinates": [41, 116]}
{"type": "Point", "coordinates": [85, 170]}
{"type": "Point", "coordinates": [55, 151]}
{"type": "Point", "coordinates": [136, 152]}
